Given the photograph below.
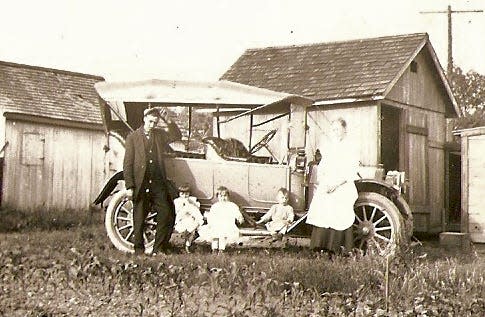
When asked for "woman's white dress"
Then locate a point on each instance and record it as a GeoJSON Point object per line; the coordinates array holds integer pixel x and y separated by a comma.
{"type": "Point", "coordinates": [340, 162]}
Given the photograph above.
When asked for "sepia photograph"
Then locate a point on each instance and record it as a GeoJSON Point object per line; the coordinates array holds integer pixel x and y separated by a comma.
{"type": "Point", "coordinates": [242, 158]}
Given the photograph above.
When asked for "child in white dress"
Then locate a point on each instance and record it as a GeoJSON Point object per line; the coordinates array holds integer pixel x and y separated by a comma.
{"type": "Point", "coordinates": [221, 221]}
{"type": "Point", "coordinates": [187, 215]}
{"type": "Point", "coordinates": [280, 215]}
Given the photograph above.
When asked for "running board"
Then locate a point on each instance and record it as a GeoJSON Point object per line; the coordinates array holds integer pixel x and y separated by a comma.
{"type": "Point", "coordinates": [254, 232]}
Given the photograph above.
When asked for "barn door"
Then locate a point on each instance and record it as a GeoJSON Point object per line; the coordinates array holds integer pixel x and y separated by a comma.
{"type": "Point", "coordinates": [417, 170]}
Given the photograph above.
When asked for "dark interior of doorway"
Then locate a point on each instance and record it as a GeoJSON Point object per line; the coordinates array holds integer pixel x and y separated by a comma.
{"type": "Point", "coordinates": [1, 179]}
{"type": "Point", "coordinates": [390, 122]}
{"type": "Point", "coordinates": [454, 170]}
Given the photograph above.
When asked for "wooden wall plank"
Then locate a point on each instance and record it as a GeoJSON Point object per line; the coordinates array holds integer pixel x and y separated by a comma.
{"type": "Point", "coordinates": [464, 185]}
{"type": "Point", "coordinates": [436, 188]}
{"type": "Point", "coordinates": [475, 157]}
{"type": "Point", "coordinates": [65, 179]}
{"type": "Point", "coordinates": [363, 129]}
{"type": "Point", "coordinates": [421, 89]}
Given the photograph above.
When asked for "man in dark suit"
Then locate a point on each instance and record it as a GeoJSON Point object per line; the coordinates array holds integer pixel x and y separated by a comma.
{"type": "Point", "coordinates": [145, 178]}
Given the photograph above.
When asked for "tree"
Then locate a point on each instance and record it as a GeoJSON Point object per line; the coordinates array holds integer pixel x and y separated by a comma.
{"type": "Point", "coordinates": [469, 91]}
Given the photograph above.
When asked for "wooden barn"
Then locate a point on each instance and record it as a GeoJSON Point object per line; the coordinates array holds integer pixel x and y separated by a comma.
{"type": "Point", "coordinates": [394, 95]}
{"type": "Point", "coordinates": [51, 138]}
{"type": "Point", "coordinates": [473, 182]}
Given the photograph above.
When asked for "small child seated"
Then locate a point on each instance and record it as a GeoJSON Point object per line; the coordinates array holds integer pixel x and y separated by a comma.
{"type": "Point", "coordinates": [280, 215]}
{"type": "Point", "coordinates": [187, 215]}
{"type": "Point", "coordinates": [221, 221]}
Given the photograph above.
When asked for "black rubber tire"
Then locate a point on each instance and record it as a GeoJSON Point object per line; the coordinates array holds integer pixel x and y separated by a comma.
{"type": "Point", "coordinates": [119, 223]}
{"type": "Point", "coordinates": [378, 226]}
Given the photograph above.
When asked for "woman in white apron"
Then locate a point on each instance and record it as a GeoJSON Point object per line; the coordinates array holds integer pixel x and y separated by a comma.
{"type": "Point", "coordinates": [331, 211]}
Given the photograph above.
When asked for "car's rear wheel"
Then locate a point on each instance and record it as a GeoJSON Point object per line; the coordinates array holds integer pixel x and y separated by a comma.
{"type": "Point", "coordinates": [119, 223]}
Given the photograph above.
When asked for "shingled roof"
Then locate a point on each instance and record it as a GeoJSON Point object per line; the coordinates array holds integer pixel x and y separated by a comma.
{"type": "Point", "coordinates": [49, 93]}
{"type": "Point", "coordinates": [330, 71]}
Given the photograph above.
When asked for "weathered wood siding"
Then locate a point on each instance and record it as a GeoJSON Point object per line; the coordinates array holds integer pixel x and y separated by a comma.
{"type": "Point", "coordinates": [473, 183]}
{"type": "Point", "coordinates": [417, 166]}
{"type": "Point", "coordinates": [425, 168]}
{"type": "Point", "coordinates": [52, 167]}
{"type": "Point", "coordinates": [423, 100]}
{"type": "Point", "coordinates": [421, 89]}
{"type": "Point", "coordinates": [363, 129]}
{"type": "Point", "coordinates": [437, 169]}
{"type": "Point", "coordinates": [423, 160]}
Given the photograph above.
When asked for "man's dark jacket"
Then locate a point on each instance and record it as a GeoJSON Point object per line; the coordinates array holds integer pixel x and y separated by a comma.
{"type": "Point", "coordinates": [135, 161]}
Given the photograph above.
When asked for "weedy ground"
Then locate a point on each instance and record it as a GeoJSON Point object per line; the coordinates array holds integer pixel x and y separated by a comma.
{"type": "Point", "coordinates": [72, 269]}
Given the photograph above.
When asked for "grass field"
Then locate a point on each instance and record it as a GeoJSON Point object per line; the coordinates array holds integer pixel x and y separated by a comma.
{"type": "Point", "coordinates": [75, 271]}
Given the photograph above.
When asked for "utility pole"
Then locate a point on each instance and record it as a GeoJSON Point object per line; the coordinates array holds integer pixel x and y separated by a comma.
{"type": "Point", "coordinates": [450, 36]}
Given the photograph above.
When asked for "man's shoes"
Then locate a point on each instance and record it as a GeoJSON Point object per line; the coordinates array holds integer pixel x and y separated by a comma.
{"type": "Point", "coordinates": [139, 252]}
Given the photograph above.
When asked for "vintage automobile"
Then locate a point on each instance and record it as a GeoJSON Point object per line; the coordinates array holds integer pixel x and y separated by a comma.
{"type": "Point", "coordinates": [253, 172]}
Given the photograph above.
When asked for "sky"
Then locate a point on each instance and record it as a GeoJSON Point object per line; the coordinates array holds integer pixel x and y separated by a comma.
{"type": "Point", "coordinates": [200, 39]}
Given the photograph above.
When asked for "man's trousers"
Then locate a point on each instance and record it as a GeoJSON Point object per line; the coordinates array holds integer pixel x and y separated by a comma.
{"type": "Point", "coordinates": [157, 200]}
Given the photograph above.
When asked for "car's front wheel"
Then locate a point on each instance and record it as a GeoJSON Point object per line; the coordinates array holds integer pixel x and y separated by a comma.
{"type": "Point", "coordinates": [119, 223]}
{"type": "Point", "coordinates": [378, 226]}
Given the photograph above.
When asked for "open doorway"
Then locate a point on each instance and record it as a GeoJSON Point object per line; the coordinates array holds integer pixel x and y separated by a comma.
{"type": "Point", "coordinates": [1, 179]}
{"type": "Point", "coordinates": [454, 191]}
{"type": "Point", "coordinates": [390, 122]}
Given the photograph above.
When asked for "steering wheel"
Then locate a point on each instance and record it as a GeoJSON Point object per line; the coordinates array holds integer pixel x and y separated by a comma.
{"type": "Point", "coordinates": [263, 142]}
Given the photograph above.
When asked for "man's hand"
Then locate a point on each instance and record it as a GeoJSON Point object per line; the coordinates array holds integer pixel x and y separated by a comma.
{"type": "Point", "coordinates": [129, 193]}
{"type": "Point", "coordinates": [164, 115]}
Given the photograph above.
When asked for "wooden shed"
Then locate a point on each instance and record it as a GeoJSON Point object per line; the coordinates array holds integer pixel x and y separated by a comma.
{"type": "Point", "coordinates": [473, 182]}
{"type": "Point", "coordinates": [51, 137]}
{"type": "Point", "coordinates": [394, 95]}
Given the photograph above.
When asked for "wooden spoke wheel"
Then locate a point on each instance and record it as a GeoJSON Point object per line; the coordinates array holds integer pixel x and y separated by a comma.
{"type": "Point", "coordinates": [378, 224]}
{"type": "Point", "coordinates": [119, 223]}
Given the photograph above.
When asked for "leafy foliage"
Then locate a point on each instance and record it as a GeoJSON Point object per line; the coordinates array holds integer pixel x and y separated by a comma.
{"type": "Point", "coordinates": [47, 219]}
{"type": "Point", "coordinates": [77, 272]}
{"type": "Point", "coordinates": [469, 91]}
{"type": "Point", "coordinates": [201, 122]}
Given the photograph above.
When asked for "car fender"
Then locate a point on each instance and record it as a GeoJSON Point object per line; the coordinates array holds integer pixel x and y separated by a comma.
{"type": "Point", "coordinates": [108, 187]}
{"type": "Point", "coordinates": [375, 185]}
{"type": "Point", "coordinates": [387, 190]}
